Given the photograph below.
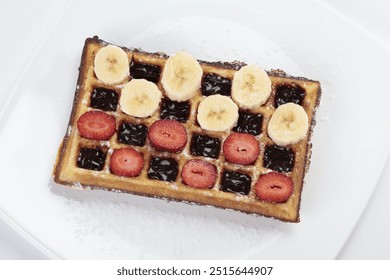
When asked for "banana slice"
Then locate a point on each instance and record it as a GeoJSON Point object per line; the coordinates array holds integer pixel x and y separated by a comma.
{"type": "Point", "coordinates": [111, 65]}
{"type": "Point", "coordinates": [140, 98]}
{"type": "Point", "coordinates": [181, 76]}
{"type": "Point", "coordinates": [288, 124]}
{"type": "Point", "coordinates": [251, 87]}
{"type": "Point", "coordinates": [217, 113]}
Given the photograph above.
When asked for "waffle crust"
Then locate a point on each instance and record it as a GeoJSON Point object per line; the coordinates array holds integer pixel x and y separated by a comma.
{"type": "Point", "coordinates": [67, 173]}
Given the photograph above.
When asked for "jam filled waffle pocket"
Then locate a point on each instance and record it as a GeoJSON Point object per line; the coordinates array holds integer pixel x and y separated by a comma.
{"type": "Point", "coordinates": [224, 134]}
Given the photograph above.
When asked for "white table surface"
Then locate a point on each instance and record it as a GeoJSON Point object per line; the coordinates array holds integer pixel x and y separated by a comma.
{"type": "Point", "coordinates": [370, 238]}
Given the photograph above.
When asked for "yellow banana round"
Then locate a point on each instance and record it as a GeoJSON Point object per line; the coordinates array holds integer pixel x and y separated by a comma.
{"type": "Point", "coordinates": [288, 125]}
{"type": "Point", "coordinates": [181, 76]}
{"type": "Point", "coordinates": [140, 98]}
{"type": "Point", "coordinates": [111, 65]}
{"type": "Point", "coordinates": [217, 113]}
{"type": "Point", "coordinates": [251, 87]}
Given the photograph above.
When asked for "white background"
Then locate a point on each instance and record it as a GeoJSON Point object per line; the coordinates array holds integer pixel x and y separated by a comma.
{"type": "Point", "coordinates": [369, 240]}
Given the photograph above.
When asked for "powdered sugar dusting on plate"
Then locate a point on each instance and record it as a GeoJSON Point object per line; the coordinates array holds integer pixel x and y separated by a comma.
{"type": "Point", "coordinates": [213, 39]}
{"type": "Point", "coordinates": [117, 220]}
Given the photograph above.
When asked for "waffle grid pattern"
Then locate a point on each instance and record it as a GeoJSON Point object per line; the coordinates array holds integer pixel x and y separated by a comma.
{"type": "Point", "coordinates": [66, 171]}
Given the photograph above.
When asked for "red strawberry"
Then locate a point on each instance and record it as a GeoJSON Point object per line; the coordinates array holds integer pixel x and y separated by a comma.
{"type": "Point", "coordinates": [241, 148]}
{"type": "Point", "coordinates": [126, 162]}
{"type": "Point", "coordinates": [167, 135]}
{"type": "Point", "coordinates": [199, 174]}
{"type": "Point", "coordinates": [274, 187]}
{"type": "Point", "coordinates": [96, 125]}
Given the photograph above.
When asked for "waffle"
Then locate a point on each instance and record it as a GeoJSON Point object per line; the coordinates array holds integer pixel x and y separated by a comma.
{"type": "Point", "coordinates": [67, 172]}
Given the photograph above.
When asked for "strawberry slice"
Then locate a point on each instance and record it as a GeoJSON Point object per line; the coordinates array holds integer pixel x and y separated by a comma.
{"type": "Point", "coordinates": [167, 135]}
{"type": "Point", "coordinates": [126, 162]}
{"type": "Point", "coordinates": [241, 148]}
{"type": "Point", "coordinates": [96, 125]}
{"type": "Point", "coordinates": [199, 174]}
{"type": "Point", "coordinates": [274, 187]}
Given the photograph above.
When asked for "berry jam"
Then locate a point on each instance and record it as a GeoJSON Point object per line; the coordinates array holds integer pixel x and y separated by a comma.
{"type": "Point", "coordinates": [278, 158]}
{"type": "Point", "coordinates": [236, 182]}
{"type": "Point", "coordinates": [132, 134]}
{"type": "Point", "coordinates": [164, 169]}
{"type": "Point", "coordinates": [145, 71]}
{"type": "Point", "coordinates": [172, 110]}
{"type": "Point", "coordinates": [104, 99]}
{"type": "Point", "coordinates": [91, 158]}
{"type": "Point", "coordinates": [206, 146]}
{"type": "Point", "coordinates": [289, 93]}
{"type": "Point", "coordinates": [215, 84]}
{"type": "Point", "coordinates": [249, 123]}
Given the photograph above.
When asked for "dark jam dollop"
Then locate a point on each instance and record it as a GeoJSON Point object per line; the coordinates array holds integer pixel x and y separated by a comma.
{"type": "Point", "coordinates": [236, 182]}
{"type": "Point", "coordinates": [104, 99]}
{"type": "Point", "coordinates": [289, 93]}
{"type": "Point", "coordinates": [145, 71]}
{"type": "Point", "coordinates": [164, 169]}
{"type": "Point", "coordinates": [249, 123]}
{"type": "Point", "coordinates": [91, 158]}
{"type": "Point", "coordinates": [172, 110]}
{"type": "Point", "coordinates": [206, 146]}
{"type": "Point", "coordinates": [278, 158]}
{"type": "Point", "coordinates": [215, 84]}
{"type": "Point", "coordinates": [132, 134]}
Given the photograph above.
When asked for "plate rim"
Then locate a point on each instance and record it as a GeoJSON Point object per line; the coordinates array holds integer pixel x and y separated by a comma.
{"type": "Point", "coordinates": [47, 250]}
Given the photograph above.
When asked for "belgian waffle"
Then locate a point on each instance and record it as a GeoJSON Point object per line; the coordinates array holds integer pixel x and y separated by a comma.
{"type": "Point", "coordinates": [67, 169]}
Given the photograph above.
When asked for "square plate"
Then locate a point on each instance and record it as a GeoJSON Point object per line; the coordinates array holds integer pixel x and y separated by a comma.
{"type": "Point", "coordinates": [350, 141]}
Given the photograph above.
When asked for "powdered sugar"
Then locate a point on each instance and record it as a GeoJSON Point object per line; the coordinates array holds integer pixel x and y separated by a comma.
{"type": "Point", "coordinates": [225, 41]}
{"type": "Point", "coordinates": [121, 221]}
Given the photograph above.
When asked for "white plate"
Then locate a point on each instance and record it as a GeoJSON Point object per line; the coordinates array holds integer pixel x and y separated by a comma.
{"type": "Point", "coordinates": [350, 140]}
